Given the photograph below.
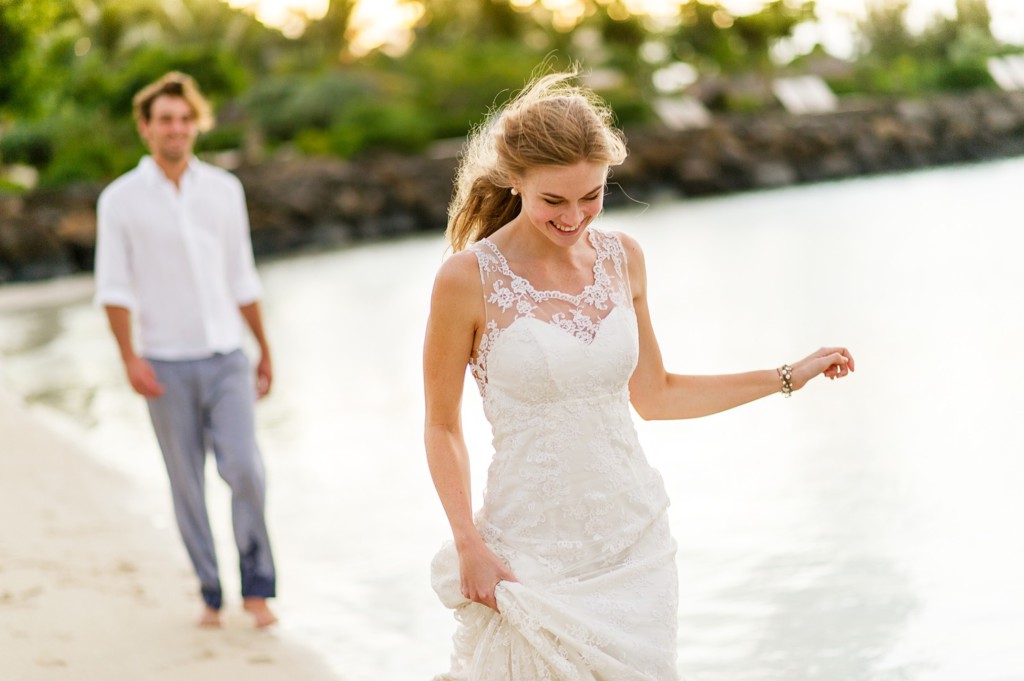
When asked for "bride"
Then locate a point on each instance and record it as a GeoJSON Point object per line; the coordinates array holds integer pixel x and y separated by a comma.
{"type": "Point", "coordinates": [567, 571]}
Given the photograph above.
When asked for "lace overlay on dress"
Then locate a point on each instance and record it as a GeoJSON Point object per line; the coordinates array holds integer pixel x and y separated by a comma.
{"type": "Point", "coordinates": [571, 502]}
{"type": "Point", "coordinates": [508, 297]}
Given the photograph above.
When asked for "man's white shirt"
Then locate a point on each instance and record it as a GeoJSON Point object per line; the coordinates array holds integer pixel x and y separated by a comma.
{"type": "Point", "coordinates": [180, 259]}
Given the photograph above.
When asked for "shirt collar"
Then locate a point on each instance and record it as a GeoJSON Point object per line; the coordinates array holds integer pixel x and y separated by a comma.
{"type": "Point", "coordinates": [153, 174]}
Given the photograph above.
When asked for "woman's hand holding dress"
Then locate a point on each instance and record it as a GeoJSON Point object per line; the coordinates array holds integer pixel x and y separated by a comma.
{"type": "Point", "coordinates": [480, 571]}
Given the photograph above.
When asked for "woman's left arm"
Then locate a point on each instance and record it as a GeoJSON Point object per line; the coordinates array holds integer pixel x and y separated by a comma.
{"type": "Point", "coordinates": [656, 394]}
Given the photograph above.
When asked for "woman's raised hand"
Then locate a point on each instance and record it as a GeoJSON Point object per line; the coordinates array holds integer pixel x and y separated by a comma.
{"type": "Point", "coordinates": [480, 571]}
{"type": "Point", "coordinates": [831, 362]}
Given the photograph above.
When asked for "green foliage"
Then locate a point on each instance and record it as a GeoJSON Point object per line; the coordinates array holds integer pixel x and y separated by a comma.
{"type": "Point", "coordinates": [218, 72]}
{"type": "Point", "coordinates": [759, 31]}
{"type": "Point", "coordinates": [72, 145]}
{"type": "Point", "coordinates": [974, 14]}
{"type": "Point", "coordinates": [7, 187]}
{"type": "Point", "coordinates": [883, 31]}
{"type": "Point", "coordinates": [93, 146]}
{"type": "Point", "coordinates": [628, 101]}
{"type": "Point", "coordinates": [476, 77]}
{"type": "Point", "coordinates": [222, 137]}
{"type": "Point", "coordinates": [458, 21]}
{"type": "Point", "coordinates": [950, 54]}
{"type": "Point", "coordinates": [68, 70]}
{"type": "Point", "coordinates": [28, 144]}
{"type": "Point", "coordinates": [284, 107]}
{"type": "Point", "coordinates": [714, 40]}
{"type": "Point", "coordinates": [964, 76]}
{"type": "Point", "coordinates": [21, 25]}
{"type": "Point", "coordinates": [313, 142]}
{"type": "Point", "coordinates": [325, 39]}
{"type": "Point", "coordinates": [370, 126]}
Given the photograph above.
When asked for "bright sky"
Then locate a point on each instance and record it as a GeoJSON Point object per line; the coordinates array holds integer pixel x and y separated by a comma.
{"type": "Point", "coordinates": [386, 22]}
{"type": "Point", "coordinates": [376, 23]}
{"type": "Point", "coordinates": [833, 29]}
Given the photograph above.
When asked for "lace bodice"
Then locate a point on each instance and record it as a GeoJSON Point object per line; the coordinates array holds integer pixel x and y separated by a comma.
{"type": "Point", "coordinates": [571, 503]}
{"type": "Point", "coordinates": [509, 298]}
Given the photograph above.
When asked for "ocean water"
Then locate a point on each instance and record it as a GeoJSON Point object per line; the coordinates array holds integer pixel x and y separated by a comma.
{"type": "Point", "coordinates": [867, 529]}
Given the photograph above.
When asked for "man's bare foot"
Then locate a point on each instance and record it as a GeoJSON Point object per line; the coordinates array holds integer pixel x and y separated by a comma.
{"type": "Point", "coordinates": [210, 618]}
{"type": "Point", "coordinates": [257, 607]}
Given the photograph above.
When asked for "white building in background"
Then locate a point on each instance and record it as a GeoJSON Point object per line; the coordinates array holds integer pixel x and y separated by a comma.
{"type": "Point", "coordinates": [1008, 71]}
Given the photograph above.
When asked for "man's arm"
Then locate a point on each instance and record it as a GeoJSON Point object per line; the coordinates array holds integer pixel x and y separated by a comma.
{"type": "Point", "coordinates": [264, 369]}
{"type": "Point", "coordinates": [140, 372]}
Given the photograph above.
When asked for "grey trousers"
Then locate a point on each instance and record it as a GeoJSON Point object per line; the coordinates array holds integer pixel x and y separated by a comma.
{"type": "Point", "coordinates": [208, 404]}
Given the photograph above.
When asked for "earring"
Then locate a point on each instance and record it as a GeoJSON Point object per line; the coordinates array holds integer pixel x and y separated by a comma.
{"type": "Point", "coordinates": [515, 192]}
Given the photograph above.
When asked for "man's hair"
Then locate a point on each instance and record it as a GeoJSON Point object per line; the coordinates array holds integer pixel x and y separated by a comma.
{"type": "Point", "coordinates": [173, 84]}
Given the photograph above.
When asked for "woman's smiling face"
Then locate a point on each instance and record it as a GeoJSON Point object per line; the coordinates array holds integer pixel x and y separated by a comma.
{"type": "Point", "coordinates": [560, 201]}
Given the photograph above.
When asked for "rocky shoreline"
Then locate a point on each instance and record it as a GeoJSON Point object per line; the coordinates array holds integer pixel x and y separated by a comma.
{"type": "Point", "coordinates": [298, 203]}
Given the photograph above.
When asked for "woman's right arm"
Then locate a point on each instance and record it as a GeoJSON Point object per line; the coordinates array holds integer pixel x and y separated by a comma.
{"type": "Point", "coordinates": [456, 317]}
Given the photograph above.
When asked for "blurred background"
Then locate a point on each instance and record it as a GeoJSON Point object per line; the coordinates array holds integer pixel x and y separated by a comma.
{"type": "Point", "coordinates": [343, 118]}
{"type": "Point", "coordinates": [345, 77]}
{"type": "Point", "coordinates": [801, 173]}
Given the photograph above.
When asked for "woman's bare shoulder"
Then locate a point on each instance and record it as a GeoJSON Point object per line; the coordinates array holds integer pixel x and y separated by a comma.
{"type": "Point", "coordinates": [459, 275]}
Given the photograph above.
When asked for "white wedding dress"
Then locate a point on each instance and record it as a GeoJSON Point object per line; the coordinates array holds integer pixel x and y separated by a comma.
{"type": "Point", "coordinates": [571, 503]}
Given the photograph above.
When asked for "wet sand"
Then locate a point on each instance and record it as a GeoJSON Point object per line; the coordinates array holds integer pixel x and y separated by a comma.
{"type": "Point", "coordinates": [91, 590]}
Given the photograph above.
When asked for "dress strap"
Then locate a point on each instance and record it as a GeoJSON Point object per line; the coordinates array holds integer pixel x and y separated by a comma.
{"type": "Point", "coordinates": [610, 249]}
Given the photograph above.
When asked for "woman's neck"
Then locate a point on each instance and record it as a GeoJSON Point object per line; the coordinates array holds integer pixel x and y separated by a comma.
{"type": "Point", "coordinates": [524, 242]}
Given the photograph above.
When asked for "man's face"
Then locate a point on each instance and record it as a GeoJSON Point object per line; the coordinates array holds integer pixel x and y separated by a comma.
{"type": "Point", "coordinates": [171, 129]}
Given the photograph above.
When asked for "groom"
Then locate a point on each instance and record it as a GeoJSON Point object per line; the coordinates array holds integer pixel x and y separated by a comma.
{"type": "Point", "coordinates": [173, 254]}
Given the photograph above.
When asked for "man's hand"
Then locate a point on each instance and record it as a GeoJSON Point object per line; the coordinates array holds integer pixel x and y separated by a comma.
{"type": "Point", "coordinates": [264, 376]}
{"type": "Point", "coordinates": [143, 378]}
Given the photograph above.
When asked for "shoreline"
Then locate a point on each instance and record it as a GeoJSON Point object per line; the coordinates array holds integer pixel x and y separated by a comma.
{"type": "Point", "coordinates": [91, 590]}
{"type": "Point", "coordinates": [297, 203]}
{"type": "Point", "coordinates": [22, 295]}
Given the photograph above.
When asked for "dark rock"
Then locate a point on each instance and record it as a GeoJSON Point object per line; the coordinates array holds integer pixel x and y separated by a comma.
{"type": "Point", "coordinates": [331, 234]}
{"type": "Point", "coordinates": [769, 174]}
{"type": "Point", "coordinates": [299, 202]}
{"type": "Point", "coordinates": [31, 251]}
{"type": "Point", "coordinates": [699, 176]}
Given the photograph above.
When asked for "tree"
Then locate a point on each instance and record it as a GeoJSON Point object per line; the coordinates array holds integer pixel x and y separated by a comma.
{"type": "Point", "coordinates": [883, 31]}
{"type": "Point", "coordinates": [950, 53]}
{"type": "Point", "coordinates": [712, 39]}
{"type": "Point", "coordinates": [328, 37]}
{"type": "Point", "coordinates": [22, 22]}
{"type": "Point", "coordinates": [760, 31]}
{"type": "Point", "coordinates": [455, 21]}
{"type": "Point", "coordinates": [974, 13]}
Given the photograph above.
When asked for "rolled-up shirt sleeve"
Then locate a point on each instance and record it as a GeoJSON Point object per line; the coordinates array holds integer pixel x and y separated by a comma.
{"type": "Point", "coordinates": [113, 269]}
{"type": "Point", "coordinates": [241, 266]}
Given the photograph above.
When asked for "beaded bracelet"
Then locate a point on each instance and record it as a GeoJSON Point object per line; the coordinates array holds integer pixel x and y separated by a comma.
{"type": "Point", "coordinates": [786, 375]}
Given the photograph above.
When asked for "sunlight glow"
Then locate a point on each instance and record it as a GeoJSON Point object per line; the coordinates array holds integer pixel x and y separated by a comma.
{"type": "Point", "coordinates": [387, 24]}
{"type": "Point", "coordinates": [655, 8]}
{"type": "Point", "coordinates": [383, 24]}
{"type": "Point", "coordinates": [836, 19]}
{"type": "Point", "coordinates": [290, 16]}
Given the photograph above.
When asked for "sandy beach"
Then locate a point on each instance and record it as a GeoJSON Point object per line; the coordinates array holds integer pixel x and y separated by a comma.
{"type": "Point", "coordinates": [89, 590]}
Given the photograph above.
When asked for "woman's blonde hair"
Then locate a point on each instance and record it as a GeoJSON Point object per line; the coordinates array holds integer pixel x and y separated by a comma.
{"type": "Point", "coordinates": [552, 122]}
{"type": "Point", "coordinates": [174, 84]}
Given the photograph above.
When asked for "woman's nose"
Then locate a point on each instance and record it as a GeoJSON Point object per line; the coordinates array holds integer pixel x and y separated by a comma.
{"type": "Point", "coordinates": [573, 215]}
